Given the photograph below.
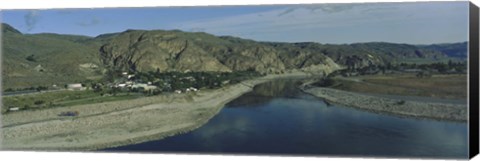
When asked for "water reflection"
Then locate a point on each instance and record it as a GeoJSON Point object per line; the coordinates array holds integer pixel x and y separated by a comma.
{"type": "Point", "coordinates": [276, 118]}
{"type": "Point", "coordinates": [265, 92]}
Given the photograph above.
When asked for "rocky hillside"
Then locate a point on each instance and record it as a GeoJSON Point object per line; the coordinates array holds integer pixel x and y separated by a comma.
{"type": "Point", "coordinates": [364, 54]}
{"type": "Point", "coordinates": [180, 51]}
{"type": "Point", "coordinates": [46, 59]}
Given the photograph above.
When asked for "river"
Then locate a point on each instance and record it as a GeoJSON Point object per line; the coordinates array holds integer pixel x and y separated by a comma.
{"type": "Point", "coordinates": [277, 118]}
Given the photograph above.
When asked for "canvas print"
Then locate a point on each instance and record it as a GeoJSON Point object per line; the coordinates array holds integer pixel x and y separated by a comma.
{"type": "Point", "coordinates": [355, 79]}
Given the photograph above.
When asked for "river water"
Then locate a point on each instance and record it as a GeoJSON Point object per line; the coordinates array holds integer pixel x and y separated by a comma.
{"type": "Point", "coordinates": [277, 118]}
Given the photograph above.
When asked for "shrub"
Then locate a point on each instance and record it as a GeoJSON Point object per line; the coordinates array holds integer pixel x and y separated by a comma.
{"type": "Point", "coordinates": [39, 102]}
{"type": "Point", "coordinates": [31, 58]}
{"type": "Point", "coordinates": [326, 82]}
{"type": "Point", "coordinates": [9, 90]}
{"type": "Point", "coordinates": [41, 88]}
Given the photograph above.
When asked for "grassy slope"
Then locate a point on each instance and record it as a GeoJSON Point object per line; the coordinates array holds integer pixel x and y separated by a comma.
{"type": "Point", "coordinates": [59, 56]}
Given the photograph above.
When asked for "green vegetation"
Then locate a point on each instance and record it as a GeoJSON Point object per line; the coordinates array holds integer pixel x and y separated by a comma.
{"type": "Point", "coordinates": [451, 67]}
{"type": "Point", "coordinates": [171, 81]}
{"type": "Point", "coordinates": [37, 88]}
{"type": "Point", "coordinates": [60, 99]}
{"type": "Point", "coordinates": [31, 60]}
{"type": "Point", "coordinates": [403, 79]}
{"type": "Point", "coordinates": [453, 86]}
{"type": "Point", "coordinates": [101, 92]}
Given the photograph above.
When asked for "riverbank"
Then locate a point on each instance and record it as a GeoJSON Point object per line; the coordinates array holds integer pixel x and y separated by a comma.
{"type": "Point", "coordinates": [118, 123]}
{"type": "Point", "coordinates": [440, 111]}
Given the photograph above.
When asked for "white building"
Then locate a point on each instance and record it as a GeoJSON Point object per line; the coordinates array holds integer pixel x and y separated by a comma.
{"type": "Point", "coordinates": [14, 109]}
{"type": "Point", "coordinates": [75, 86]}
{"type": "Point", "coordinates": [193, 89]}
{"type": "Point", "coordinates": [144, 86]}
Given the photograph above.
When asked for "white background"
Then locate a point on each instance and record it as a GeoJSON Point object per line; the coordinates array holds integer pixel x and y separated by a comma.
{"type": "Point", "coordinates": [76, 156]}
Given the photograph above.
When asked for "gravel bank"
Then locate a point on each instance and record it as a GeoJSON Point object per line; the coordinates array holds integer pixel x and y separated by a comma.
{"type": "Point", "coordinates": [440, 111]}
{"type": "Point", "coordinates": [118, 123]}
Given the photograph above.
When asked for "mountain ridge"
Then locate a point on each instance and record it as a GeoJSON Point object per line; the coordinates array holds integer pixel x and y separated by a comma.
{"type": "Point", "coordinates": [48, 58]}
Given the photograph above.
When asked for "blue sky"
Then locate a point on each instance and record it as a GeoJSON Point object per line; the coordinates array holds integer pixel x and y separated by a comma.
{"type": "Point", "coordinates": [412, 23]}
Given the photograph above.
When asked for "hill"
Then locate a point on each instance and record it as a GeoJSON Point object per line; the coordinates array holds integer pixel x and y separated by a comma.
{"type": "Point", "coordinates": [46, 59]}
{"type": "Point", "coordinates": [457, 50]}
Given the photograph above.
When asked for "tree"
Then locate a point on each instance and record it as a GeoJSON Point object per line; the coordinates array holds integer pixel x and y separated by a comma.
{"type": "Point", "coordinates": [41, 88]}
{"type": "Point", "coordinates": [450, 64]}
{"type": "Point", "coordinates": [441, 67]}
{"type": "Point", "coordinates": [114, 91]}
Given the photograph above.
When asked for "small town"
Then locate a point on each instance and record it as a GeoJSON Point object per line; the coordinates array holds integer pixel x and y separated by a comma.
{"type": "Point", "coordinates": [118, 86]}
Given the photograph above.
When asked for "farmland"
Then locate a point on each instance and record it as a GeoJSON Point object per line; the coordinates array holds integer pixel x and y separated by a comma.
{"type": "Point", "coordinates": [446, 86]}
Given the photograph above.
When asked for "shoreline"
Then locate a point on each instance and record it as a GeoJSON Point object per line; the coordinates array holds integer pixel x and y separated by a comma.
{"type": "Point", "coordinates": [408, 108]}
{"type": "Point", "coordinates": [118, 123]}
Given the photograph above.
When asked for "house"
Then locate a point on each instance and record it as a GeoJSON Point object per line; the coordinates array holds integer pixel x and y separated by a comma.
{"type": "Point", "coordinates": [225, 82]}
{"type": "Point", "coordinates": [14, 109]}
{"type": "Point", "coordinates": [150, 87]}
{"type": "Point", "coordinates": [178, 91]}
{"type": "Point", "coordinates": [193, 89]}
{"type": "Point", "coordinates": [144, 86]}
{"type": "Point", "coordinates": [75, 86]}
{"type": "Point", "coordinates": [189, 78]}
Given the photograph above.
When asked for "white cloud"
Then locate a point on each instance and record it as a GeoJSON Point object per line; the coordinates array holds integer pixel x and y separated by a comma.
{"type": "Point", "coordinates": [310, 22]}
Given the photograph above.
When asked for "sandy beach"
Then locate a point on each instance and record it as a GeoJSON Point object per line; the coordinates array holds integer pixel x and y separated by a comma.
{"type": "Point", "coordinates": [439, 111]}
{"type": "Point", "coordinates": [118, 123]}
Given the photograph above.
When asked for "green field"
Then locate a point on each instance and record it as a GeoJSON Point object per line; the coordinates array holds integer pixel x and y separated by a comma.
{"type": "Point", "coordinates": [448, 86]}
{"type": "Point", "coordinates": [61, 99]}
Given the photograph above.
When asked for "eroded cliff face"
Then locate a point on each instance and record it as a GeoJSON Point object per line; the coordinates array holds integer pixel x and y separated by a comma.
{"type": "Point", "coordinates": [147, 51]}
{"type": "Point", "coordinates": [179, 51]}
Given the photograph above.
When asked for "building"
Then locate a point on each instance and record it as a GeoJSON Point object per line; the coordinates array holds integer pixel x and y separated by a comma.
{"type": "Point", "coordinates": [14, 109]}
{"type": "Point", "coordinates": [191, 89]}
{"type": "Point", "coordinates": [144, 86]}
{"type": "Point", "coordinates": [75, 87]}
{"type": "Point", "coordinates": [122, 85]}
